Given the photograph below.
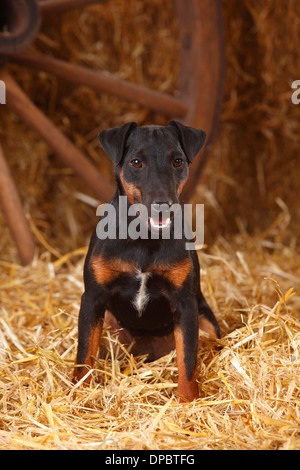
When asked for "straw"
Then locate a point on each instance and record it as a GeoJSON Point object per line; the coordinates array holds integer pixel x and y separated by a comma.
{"type": "Point", "coordinates": [249, 385]}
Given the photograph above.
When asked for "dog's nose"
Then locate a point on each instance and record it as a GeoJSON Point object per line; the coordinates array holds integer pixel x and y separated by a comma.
{"type": "Point", "coordinates": [161, 210]}
{"type": "Point", "coordinates": [159, 206]}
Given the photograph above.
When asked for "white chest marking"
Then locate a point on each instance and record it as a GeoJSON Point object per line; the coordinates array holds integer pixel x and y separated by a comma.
{"type": "Point", "coordinates": [141, 299]}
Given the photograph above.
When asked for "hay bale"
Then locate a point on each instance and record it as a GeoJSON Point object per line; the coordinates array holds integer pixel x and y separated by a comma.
{"type": "Point", "coordinates": [254, 160]}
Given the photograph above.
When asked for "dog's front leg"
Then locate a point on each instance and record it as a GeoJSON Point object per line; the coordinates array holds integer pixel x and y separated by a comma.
{"type": "Point", "coordinates": [186, 343]}
{"type": "Point", "coordinates": [90, 324]}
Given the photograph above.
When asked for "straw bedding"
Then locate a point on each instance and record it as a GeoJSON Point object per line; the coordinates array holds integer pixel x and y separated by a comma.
{"type": "Point", "coordinates": [249, 382]}
{"type": "Point", "coordinates": [249, 387]}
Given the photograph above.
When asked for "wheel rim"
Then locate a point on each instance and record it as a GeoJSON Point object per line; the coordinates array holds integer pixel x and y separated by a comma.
{"type": "Point", "coordinates": [19, 25]}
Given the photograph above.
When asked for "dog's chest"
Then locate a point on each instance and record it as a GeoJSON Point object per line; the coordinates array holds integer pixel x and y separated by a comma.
{"type": "Point", "coordinates": [138, 286]}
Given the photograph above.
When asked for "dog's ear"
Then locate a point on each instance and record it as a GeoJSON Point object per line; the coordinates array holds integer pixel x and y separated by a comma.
{"type": "Point", "coordinates": [191, 140]}
{"type": "Point", "coordinates": [113, 140]}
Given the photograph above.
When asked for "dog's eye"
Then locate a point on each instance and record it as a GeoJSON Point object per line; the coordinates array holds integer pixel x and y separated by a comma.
{"type": "Point", "coordinates": [177, 162]}
{"type": "Point", "coordinates": [136, 163]}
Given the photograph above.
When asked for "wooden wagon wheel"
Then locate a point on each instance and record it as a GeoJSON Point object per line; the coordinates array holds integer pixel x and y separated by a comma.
{"type": "Point", "coordinates": [201, 86]}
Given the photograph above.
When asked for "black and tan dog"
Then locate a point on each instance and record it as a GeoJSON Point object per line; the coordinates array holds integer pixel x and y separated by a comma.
{"type": "Point", "coordinates": [147, 289]}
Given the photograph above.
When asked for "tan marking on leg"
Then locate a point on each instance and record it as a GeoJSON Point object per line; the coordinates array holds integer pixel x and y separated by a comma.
{"type": "Point", "coordinates": [93, 348]}
{"type": "Point", "coordinates": [187, 389]}
{"type": "Point", "coordinates": [208, 327]}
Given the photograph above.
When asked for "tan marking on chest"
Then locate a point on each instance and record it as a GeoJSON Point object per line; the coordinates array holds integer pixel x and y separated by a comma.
{"type": "Point", "coordinates": [106, 271]}
{"type": "Point", "coordinates": [176, 273]}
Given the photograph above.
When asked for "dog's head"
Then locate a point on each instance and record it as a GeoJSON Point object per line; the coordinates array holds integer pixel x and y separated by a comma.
{"type": "Point", "coordinates": [151, 163]}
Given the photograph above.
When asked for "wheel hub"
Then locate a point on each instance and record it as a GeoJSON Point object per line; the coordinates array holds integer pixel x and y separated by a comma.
{"type": "Point", "coordinates": [19, 26]}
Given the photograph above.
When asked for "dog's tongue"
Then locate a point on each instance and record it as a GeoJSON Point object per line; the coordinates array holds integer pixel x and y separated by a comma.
{"type": "Point", "coordinates": [162, 223]}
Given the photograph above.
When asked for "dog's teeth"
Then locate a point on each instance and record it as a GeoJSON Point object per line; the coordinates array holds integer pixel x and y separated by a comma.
{"type": "Point", "coordinates": [163, 224]}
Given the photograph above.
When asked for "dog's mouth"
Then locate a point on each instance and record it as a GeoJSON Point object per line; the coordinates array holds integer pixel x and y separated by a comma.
{"type": "Point", "coordinates": [159, 224]}
{"type": "Point", "coordinates": [156, 220]}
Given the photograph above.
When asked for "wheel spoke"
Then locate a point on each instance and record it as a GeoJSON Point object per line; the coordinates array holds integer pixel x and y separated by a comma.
{"type": "Point", "coordinates": [69, 154]}
{"type": "Point", "coordinates": [202, 67]}
{"type": "Point", "coordinates": [105, 83]}
{"type": "Point", "coordinates": [12, 208]}
{"type": "Point", "coordinates": [57, 6]}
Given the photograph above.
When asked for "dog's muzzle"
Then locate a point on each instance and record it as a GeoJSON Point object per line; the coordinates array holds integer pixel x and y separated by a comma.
{"type": "Point", "coordinates": [160, 216]}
